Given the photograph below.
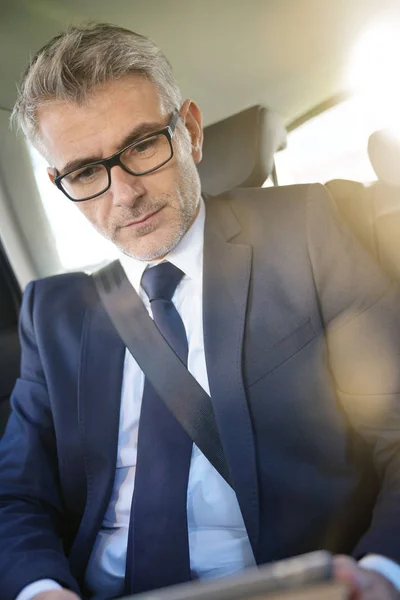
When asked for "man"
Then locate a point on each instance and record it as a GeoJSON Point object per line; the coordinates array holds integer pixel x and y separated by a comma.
{"type": "Point", "coordinates": [282, 318]}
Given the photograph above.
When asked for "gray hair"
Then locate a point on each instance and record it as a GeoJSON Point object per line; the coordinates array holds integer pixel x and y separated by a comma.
{"type": "Point", "coordinates": [75, 62]}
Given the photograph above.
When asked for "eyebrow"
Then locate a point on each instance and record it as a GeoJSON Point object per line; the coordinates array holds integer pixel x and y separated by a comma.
{"type": "Point", "coordinates": [138, 132]}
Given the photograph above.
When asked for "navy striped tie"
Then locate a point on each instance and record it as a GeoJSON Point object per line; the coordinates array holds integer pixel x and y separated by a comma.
{"type": "Point", "coordinates": [158, 548]}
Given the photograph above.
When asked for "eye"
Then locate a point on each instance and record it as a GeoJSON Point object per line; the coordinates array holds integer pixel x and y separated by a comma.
{"type": "Point", "coordinates": [146, 147]}
{"type": "Point", "coordinates": [86, 174]}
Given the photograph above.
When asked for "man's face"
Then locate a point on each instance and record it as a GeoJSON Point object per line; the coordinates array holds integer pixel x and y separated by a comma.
{"type": "Point", "coordinates": [145, 216]}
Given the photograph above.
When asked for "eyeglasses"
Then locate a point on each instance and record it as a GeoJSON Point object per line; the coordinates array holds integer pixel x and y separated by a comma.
{"type": "Point", "coordinates": [143, 156]}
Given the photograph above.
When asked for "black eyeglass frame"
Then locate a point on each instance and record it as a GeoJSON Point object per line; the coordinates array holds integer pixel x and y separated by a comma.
{"type": "Point", "coordinates": [115, 159]}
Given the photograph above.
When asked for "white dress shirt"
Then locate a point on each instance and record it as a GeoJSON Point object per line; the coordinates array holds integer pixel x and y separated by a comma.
{"type": "Point", "coordinates": [218, 542]}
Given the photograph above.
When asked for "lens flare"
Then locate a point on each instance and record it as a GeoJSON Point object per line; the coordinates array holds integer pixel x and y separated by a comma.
{"type": "Point", "coordinates": [374, 73]}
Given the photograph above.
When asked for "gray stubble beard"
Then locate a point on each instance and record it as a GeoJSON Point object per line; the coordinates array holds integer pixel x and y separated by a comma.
{"type": "Point", "coordinates": [189, 204]}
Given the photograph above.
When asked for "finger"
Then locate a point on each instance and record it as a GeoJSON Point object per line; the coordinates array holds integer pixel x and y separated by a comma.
{"type": "Point", "coordinates": [347, 570]}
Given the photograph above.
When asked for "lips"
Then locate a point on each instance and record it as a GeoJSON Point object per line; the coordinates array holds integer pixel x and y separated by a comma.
{"type": "Point", "coordinates": [143, 219]}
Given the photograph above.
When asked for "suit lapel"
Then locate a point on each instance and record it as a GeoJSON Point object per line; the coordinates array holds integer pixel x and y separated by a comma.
{"type": "Point", "coordinates": [227, 270]}
{"type": "Point", "coordinates": [99, 395]}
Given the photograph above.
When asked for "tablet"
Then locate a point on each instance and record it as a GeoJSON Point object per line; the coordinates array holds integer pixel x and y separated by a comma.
{"type": "Point", "coordinates": [306, 576]}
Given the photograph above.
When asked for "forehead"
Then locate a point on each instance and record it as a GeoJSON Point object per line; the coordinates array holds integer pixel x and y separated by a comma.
{"type": "Point", "coordinates": [69, 130]}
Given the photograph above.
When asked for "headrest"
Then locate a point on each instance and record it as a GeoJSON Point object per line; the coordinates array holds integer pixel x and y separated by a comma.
{"type": "Point", "coordinates": [239, 151]}
{"type": "Point", "coordinates": [384, 154]}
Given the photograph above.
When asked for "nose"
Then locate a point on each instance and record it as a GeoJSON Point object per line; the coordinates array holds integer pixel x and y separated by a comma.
{"type": "Point", "coordinates": [125, 188]}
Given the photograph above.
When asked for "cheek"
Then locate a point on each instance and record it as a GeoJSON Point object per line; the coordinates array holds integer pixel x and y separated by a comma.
{"type": "Point", "coordinates": [161, 182]}
{"type": "Point", "coordinates": [94, 212]}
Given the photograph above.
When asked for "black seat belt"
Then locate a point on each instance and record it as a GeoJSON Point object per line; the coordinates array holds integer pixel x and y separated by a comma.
{"type": "Point", "coordinates": [180, 391]}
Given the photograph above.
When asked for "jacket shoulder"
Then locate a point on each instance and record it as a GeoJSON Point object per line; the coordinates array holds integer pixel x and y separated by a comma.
{"type": "Point", "coordinates": [283, 209]}
{"type": "Point", "coordinates": [61, 293]}
{"type": "Point", "coordinates": [273, 197]}
{"type": "Point", "coordinates": [272, 202]}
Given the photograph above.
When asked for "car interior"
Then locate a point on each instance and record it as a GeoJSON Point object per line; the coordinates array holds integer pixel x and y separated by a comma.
{"type": "Point", "coordinates": [10, 300]}
{"type": "Point", "coordinates": [269, 76]}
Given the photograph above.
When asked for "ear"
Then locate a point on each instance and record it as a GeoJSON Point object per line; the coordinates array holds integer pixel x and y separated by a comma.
{"type": "Point", "coordinates": [51, 172]}
{"type": "Point", "coordinates": [193, 119]}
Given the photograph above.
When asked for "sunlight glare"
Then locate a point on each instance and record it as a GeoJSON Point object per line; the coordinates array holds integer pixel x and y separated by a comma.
{"type": "Point", "coordinates": [374, 70]}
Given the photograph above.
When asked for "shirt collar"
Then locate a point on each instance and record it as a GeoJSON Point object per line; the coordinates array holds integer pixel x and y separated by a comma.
{"type": "Point", "coordinates": [187, 255]}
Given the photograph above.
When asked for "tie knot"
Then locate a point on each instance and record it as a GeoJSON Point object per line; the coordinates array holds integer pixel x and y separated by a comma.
{"type": "Point", "coordinates": [160, 282]}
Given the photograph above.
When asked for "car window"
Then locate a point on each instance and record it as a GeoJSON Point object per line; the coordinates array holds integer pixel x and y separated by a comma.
{"type": "Point", "coordinates": [331, 145]}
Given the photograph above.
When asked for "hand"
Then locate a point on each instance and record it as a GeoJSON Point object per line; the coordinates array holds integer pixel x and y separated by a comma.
{"type": "Point", "coordinates": [364, 584]}
{"type": "Point", "coordinates": [56, 595]}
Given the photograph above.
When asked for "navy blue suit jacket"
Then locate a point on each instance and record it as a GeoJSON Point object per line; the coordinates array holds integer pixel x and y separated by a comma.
{"type": "Point", "coordinates": [302, 343]}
